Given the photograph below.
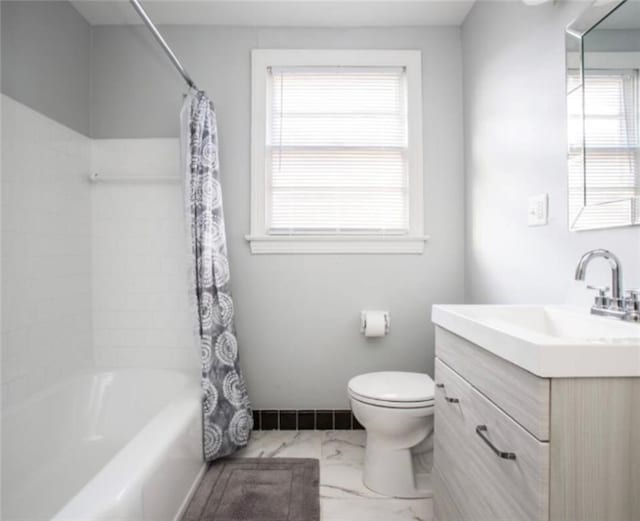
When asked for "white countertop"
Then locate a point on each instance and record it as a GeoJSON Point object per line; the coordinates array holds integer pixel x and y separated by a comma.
{"type": "Point", "coordinates": [548, 341]}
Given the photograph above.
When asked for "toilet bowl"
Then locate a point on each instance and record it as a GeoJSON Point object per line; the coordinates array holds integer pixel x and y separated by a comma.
{"type": "Point", "coordinates": [396, 410]}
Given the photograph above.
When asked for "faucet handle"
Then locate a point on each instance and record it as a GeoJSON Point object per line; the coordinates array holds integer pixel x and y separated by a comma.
{"type": "Point", "coordinates": [632, 300]}
{"type": "Point", "coordinates": [602, 290]}
{"type": "Point", "coordinates": [601, 300]}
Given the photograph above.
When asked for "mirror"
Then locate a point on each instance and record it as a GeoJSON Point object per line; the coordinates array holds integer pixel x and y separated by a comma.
{"type": "Point", "coordinates": [603, 91]}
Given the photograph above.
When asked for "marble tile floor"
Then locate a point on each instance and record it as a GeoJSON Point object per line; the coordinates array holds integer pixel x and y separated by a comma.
{"type": "Point", "coordinates": [343, 497]}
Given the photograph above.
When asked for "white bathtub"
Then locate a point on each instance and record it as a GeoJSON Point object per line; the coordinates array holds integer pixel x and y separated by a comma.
{"type": "Point", "coordinates": [122, 445]}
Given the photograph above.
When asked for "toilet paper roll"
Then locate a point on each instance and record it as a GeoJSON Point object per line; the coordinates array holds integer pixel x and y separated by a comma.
{"type": "Point", "coordinates": [375, 323]}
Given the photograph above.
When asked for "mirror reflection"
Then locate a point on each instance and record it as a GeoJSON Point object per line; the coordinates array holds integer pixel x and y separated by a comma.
{"type": "Point", "coordinates": [603, 93]}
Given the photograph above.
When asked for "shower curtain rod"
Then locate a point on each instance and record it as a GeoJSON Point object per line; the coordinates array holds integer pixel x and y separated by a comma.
{"type": "Point", "coordinates": [165, 46]}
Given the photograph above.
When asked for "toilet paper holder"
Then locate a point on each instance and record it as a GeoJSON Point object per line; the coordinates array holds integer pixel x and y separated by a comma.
{"type": "Point", "coordinates": [363, 321]}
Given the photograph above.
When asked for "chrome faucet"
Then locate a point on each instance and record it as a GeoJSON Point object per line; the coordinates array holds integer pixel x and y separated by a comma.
{"type": "Point", "coordinates": [615, 305]}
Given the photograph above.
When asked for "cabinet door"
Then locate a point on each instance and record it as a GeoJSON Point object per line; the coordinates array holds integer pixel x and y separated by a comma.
{"type": "Point", "coordinates": [494, 469]}
{"type": "Point", "coordinates": [458, 471]}
{"type": "Point", "coordinates": [444, 508]}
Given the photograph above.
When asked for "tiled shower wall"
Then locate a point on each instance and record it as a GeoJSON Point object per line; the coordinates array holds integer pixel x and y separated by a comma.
{"type": "Point", "coordinates": [92, 273]}
{"type": "Point", "coordinates": [140, 312]}
{"type": "Point", "coordinates": [46, 252]}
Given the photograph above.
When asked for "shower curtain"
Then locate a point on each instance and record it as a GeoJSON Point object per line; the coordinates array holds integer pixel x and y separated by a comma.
{"type": "Point", "coordinates": [227, 418]}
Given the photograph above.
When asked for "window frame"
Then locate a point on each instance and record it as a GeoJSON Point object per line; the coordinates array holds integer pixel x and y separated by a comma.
{"type": "Point", "coordinates": [261, 241]}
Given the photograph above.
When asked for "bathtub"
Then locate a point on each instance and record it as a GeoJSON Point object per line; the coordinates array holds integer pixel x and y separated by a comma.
{"type": "Point", "coordinates": [121, 445]}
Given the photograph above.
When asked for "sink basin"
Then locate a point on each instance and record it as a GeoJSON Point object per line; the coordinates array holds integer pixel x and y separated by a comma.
{"type": "Point", "coordinates": [554, 323]}
{"type": "Point", "coordinates": [549, 341]}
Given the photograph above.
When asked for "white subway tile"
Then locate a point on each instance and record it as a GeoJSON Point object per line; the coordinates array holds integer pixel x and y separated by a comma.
{"type": "Point", "coordinates": [46, 251]}
{"type": "Point", "coordinates": [88, 265]}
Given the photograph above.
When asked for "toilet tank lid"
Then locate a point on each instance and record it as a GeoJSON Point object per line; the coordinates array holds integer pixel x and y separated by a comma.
{"type": "Point", "coordinates": [394, 386]}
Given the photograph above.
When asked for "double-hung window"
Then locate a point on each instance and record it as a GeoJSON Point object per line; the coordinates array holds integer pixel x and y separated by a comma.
{"type": "Point", "coordinates": [336, 152]}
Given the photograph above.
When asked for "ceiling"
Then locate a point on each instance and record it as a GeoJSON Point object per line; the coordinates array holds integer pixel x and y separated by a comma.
{"type": "Point", "coordinates": [626, 16]}
{"type": "Point", "coordinates": [282, 13]}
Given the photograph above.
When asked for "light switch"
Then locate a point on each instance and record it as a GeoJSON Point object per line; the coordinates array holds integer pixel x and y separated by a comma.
{"type": "Point", "coordinates": [538, 211]}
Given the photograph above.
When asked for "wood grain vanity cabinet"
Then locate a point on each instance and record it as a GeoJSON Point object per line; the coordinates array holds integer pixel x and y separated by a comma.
{"type": "Point", "coordinates": [511, 446]}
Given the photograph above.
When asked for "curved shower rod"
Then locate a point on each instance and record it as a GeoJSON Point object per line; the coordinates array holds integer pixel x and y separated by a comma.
{"type": "Point", "coordinates": [160, 39]}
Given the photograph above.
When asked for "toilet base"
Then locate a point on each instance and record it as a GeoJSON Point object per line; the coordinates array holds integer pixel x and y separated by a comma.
{"type": "Point", "coordinates": [391, 473]}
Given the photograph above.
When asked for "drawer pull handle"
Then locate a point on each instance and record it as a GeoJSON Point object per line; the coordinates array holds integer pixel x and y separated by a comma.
{"type": "Point", "coordinates": [447, 398]}
{"type": "Point", "coordinates": [480, 430]}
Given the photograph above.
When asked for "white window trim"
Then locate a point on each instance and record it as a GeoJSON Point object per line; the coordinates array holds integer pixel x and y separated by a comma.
{"type": "Point", "coordinates": [263, 242]}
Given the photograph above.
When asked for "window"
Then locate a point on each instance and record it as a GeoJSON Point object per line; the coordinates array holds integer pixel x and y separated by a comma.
{"type": "Point", "coordinates": [611, 160]}
{"type": "Point", "coordinates": [336, 152]}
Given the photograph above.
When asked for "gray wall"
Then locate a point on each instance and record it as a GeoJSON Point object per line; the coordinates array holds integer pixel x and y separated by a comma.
{"type": "Point", "coordinates": [515, 146]}
{"type": "Point", "coordinates": [298, 315]}
{"type": "Point", "coordinates": [45, 49]}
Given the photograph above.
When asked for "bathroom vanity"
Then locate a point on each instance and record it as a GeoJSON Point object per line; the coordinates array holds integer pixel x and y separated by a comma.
{"type": "Point", "coordinates": [537, 415]}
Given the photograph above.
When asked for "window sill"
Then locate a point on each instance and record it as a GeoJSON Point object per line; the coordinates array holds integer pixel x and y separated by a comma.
{"type": "Point", "coordinates": [352, 244]}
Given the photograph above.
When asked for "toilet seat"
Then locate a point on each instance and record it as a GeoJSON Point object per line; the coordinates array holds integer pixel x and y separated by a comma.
{"type": "Point", "coordinates": [393, 389]}
{"type": "Point", "coordinates": [391, 405]}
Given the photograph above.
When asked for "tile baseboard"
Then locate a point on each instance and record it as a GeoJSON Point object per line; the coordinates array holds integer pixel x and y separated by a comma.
{"type": "Point", "coordinates": [304, 419]}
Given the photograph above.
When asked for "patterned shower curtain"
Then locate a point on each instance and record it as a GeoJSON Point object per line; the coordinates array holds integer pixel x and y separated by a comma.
{"type": "Point", "coordinates": [227, 418]}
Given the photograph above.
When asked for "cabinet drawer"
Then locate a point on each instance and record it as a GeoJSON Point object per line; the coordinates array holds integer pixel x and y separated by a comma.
{"type": "Point", "coordinates": [484, 485]}
{"type": "Point", "coordinates": [519, 488]}
{"type": "Point", "coordinates": [521, 394]}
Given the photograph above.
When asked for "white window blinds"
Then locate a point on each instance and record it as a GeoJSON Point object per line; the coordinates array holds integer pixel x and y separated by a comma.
{"type": "Point", "coordinates": [611, 161]}
{"type": "Point", "coordinates": [336, 150]}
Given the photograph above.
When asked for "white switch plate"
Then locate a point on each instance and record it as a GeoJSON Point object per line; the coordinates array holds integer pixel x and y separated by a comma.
{"type": "Point", "coordinates": [538, 210]}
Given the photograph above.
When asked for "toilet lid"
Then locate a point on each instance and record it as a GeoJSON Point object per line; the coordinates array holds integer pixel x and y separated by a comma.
{"type": "Point", "coordinates": [394, 386]}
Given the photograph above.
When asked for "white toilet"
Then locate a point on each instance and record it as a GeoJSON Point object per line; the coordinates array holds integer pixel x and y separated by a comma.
{"type": "Point", "coordinates": [396, 409]}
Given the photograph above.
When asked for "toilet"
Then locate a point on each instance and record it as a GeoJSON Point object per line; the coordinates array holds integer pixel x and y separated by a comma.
{"type": "Point", "coordinates": [396, 410]}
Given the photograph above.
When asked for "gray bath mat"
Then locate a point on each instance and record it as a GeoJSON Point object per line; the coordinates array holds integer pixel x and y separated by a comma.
{"type": "Point", "coordinates": [258, 489]}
